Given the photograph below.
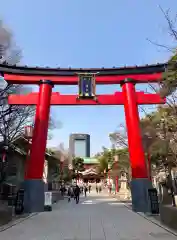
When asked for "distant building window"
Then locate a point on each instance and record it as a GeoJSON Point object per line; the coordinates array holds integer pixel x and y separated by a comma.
{"type": "Point", "coordinates": [80, 147]}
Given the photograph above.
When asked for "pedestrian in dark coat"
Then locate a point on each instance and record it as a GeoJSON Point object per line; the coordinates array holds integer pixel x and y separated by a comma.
{"type": "Point", "coordinates": [77, 193]}
{"type": "Point", "coordinates": [85, 190]}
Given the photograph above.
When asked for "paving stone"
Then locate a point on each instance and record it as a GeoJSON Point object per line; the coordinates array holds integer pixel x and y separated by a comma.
{"type": "Point", "coordinates": [96, 217]}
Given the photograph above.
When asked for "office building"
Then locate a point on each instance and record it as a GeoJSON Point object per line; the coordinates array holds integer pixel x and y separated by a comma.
{"type": "Point", "coordinates": [79, 145]}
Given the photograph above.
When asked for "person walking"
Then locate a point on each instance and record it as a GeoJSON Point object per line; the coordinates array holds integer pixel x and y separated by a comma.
{"type": "Point", "coordinates": [62, 190]}
{"type": "Point", "coordinates": [82, 189]}
{"type": "Point", "coordinates": [96, 188]}
{"type": "Point", "coordinates": [69, 193]}
{"type": "Point", "coordinates": [77, 193]}
{"type": "Point", "coordinates": [110, 188]}
{"type": "Point", "coordinates": [89, 188]}
{"type": "Point", "coordinates": [85, 191]}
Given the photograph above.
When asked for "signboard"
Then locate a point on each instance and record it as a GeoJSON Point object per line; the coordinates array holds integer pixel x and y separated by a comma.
{"type": "Point", "coordinates": [48, 199]}
{"type": "Point", "coordinates": [87, 85]}
{"type": "Point", "coordinates": [19, 202]}
{"type": "Point", "coordinates": [154, 202]}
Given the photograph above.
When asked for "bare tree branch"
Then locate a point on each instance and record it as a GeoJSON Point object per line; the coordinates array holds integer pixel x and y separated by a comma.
{"type": "Point", "coordinates": [161, 45]}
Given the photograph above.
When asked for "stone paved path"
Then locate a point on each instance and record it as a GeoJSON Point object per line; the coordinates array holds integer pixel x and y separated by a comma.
{"type": "Point", "coordinates": [96, 217]}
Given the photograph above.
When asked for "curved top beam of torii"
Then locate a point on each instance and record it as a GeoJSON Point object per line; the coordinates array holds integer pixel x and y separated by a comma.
{"type": "Point", "coordinates": [69, 76]}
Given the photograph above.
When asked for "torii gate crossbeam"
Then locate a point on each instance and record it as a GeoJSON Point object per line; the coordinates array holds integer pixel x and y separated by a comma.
{"type": "Point", "coordinates": [105, 99]}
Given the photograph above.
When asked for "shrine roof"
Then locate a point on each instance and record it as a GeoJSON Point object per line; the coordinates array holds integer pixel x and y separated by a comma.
{"type": "Point", "coordinates": [90, 160]}
{"type": "Point", "coordinates": [45, 71]}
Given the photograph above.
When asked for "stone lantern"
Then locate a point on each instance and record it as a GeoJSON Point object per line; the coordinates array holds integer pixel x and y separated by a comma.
{"type": "Point", "coordinates": [124, 192]}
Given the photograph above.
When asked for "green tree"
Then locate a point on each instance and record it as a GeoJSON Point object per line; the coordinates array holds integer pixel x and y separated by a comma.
{"type": "Point", "coordinates": [107, 156]}
{"type": "Point", "coordinates": [103, 164]}
{"type": "Point", "coordinates": [169, 83]}
{"type": "Point", "coordinates": [67, 176]}
{"type": "Point", "coordinates": [78, 164]}
{"type": "Point", "coordinates": [160, 128]}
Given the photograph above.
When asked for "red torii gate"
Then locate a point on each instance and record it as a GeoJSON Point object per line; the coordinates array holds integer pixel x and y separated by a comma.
{"type": "Point", "coordinates": [46, 78]}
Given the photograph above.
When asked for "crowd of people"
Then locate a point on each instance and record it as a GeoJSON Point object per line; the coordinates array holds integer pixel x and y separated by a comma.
{"type": "Point", "coordinates": [74, 191]}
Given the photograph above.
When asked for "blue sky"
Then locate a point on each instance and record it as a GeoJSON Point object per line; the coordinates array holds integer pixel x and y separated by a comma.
{"type": "Point", "coordinates": [94, 33]}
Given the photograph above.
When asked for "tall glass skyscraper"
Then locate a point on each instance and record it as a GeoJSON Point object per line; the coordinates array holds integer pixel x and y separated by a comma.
{"type": "Point", "coordinates": [79, 145]}
{"type": "Point", "coordinates": [80, 148]}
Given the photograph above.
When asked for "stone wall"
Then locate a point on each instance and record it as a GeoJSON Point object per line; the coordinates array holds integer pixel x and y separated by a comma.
{"type": "Point", "coordinates": [168, 216]}
{"type": "Point", "coordinates": [16, 166]}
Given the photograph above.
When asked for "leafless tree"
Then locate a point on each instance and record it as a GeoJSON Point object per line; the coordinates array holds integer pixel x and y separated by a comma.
{"type": "Point", "coordinates": [119, 137]}
{"type": "Point", "coordinates": [12, 118]}
{"type": "Point", "coordinates": [9, 52]}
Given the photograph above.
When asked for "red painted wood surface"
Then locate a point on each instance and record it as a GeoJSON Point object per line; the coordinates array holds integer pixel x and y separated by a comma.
{"type": "Point", "coordinates": [105, 99]}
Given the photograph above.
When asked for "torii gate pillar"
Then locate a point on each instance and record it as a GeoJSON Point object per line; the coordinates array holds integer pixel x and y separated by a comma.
{"type": "Point", "coordinates": [34, 184]}
{"type": "Point", "coordinates": [140, 182]}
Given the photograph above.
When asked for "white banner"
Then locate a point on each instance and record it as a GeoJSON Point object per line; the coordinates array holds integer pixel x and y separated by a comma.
{"type": "Point", "coordinates": [45, 171]}
{"type": "Point", "coordinates": [48, 199]}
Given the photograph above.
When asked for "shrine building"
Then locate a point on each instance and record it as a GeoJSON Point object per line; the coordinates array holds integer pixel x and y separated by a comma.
{"type": "Point", "coordinates": [91, 170]}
